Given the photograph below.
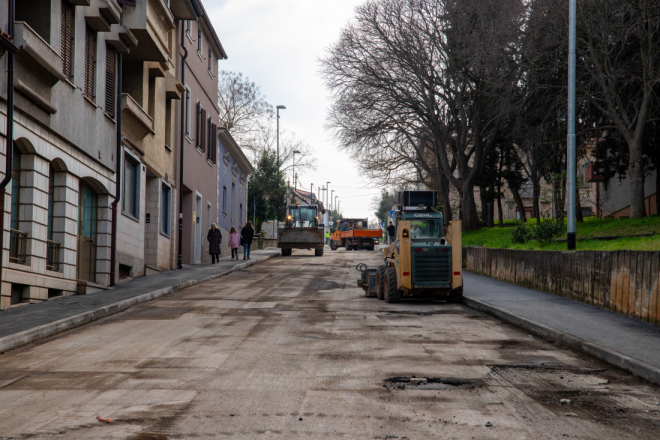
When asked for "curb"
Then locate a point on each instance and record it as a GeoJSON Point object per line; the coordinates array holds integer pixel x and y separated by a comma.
{"type": "Point", "coordinates": [637, 368]}
{"type": "Point", "coordinates": [43, 331]}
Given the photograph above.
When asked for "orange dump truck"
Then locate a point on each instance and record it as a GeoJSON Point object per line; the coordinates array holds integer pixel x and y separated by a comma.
{"type": "Point", "coordinates": [353, 235]}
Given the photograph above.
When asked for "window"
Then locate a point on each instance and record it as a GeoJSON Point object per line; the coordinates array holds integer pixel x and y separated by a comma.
{"type": "Point", "coordinates": [224, 199]}
{"type": "Point", "coordinates": [90, 62]}
{"type": "Point", "coordinates": [165, 209]}
{"type": "Point", "coordinates": [110, 75]}
{"type": "Point", "coordinates": [67, 38]}
{"type": "Point", "coordinates": [199, 40]}
{"type": "Point", "coordinates": [51, 194]}
{"type": "Point", "coordinates": [131, 195]}
{"type": "Point", "coordinates": [188, 110]}
{"type": "Point", "coordinates": [15, 186]}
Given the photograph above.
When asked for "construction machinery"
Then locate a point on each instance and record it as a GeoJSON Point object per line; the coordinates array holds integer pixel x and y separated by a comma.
{"type": "Point", "coordinates": [302, 229]}
{"type": "Point", "coordinates": [425, 259]}
{"type": "Point", "coordinates": [354, 234]}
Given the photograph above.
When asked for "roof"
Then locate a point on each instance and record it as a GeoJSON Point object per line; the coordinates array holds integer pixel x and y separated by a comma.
{"type": "Point", "coordinates": [235, 150]}
{"type": "Point", "coordinates": [197, 4]}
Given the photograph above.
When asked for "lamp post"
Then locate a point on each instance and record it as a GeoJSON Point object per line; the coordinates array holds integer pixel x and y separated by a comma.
{"type": "Point", "coordinates": [570, 156]}
{"type": "Point", "coordinates": [336, 207]}
{"type": "Point", "coordinates": [332, 194]}
{"type": "Point", "coordinates": [279, 107]}
{"type": "Point", "coordinates": [311, 193]}
{"type": "Point", "coordinates": [327, 189]}
{"type": "Point", "coordinates": [294, 167]}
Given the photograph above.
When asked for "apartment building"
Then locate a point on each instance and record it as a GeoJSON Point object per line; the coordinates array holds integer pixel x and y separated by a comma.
{"type": "Point", "coordinates": [233, 173]}
{"type": "Point", "coordinates": [57, 209]}
{"type": "Point", "coordinates": [198, 72]}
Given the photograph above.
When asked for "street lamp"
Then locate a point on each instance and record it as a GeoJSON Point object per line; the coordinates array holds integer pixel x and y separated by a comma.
{"type": "Point", "coordinates": [570, 154]}
{"type": "Point", "coordinates": [294, 167]}
{"type": "Point", "coordinates": [332, 193]}
{"type": "Point", "coordinates": [327, 189]}
{"type": "Point", "coordinates": [336, 207]}
{"type": "Point", "coordinates": [279, 107]}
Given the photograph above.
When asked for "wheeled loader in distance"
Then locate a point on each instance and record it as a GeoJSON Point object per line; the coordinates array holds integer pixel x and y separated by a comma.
{"type": "Point", "coordinates": [424, 261]}
{"type": "Point", "coordinates": [358, 236]}
{"type": "Point", "coordinates": [302, 230]}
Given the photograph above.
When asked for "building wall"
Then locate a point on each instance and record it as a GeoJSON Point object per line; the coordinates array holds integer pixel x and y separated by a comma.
{"type": "Point", "coordinates": [200, 176]}
{"type": "Point", "coordinates": [615, 196]}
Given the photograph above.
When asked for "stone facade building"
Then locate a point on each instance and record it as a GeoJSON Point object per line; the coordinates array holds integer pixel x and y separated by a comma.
{"type": "Point", "coordinates": [65, 173]}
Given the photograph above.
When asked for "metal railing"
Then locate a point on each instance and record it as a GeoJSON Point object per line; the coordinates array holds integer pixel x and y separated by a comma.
{"type": "Point", "coordinates": [18, 246]}
{"type": "Point", "coordinates": [52, 255]}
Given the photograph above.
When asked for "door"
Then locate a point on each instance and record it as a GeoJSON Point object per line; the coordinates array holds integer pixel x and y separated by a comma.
{"type": "Point", "coordinates": [87, 216]}
{"type": "Point", "coordinates": [198, 229]}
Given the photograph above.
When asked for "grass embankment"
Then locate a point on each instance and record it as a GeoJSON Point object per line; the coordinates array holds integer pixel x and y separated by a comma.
{"type": "Point", "coordinates": [591, 227]}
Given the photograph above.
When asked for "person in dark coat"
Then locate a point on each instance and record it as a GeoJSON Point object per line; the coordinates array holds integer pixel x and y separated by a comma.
{"type": "Point", "coordinates": [214, 237]}
{"type": "Point", "coordinates": [391, 233]}
{"type": "Point", "coordinates": [247, 234]}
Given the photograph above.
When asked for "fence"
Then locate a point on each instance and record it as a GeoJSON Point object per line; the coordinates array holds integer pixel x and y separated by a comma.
{"type": "Point", "coordinates": [626, 282]}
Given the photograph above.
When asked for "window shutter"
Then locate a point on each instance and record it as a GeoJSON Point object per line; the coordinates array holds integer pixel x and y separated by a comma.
{"type": "Point", "coordinates": [213, 146]}
{"type": "Point", "coordinates": [202, 138]}
{"type": "Point", "coordinates": [209, 129]}
{"type": "Point", "coordinates": [198, 129]}
{"type": "Point", "coordinates": [90, 62]}
{"type": "Point", "coordinates": [110, 72]}
{"type": "Point", "coordinates": [66, 37]}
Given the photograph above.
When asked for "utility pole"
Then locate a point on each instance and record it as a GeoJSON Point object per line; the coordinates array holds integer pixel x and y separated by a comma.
{"type": "Point", "coordinates": [332, 193]}
{"type": "Point", "coordinates": [327, 192]}
{"type": "Point", "coordinates": [570, 156]}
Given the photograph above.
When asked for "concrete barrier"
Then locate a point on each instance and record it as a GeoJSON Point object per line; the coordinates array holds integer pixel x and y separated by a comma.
{"type": "Point", "coordinates": [626, 282]}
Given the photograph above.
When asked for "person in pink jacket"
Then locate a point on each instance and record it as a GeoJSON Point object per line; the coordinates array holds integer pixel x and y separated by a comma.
{"type": "Point", "coordinates": [234, 242]}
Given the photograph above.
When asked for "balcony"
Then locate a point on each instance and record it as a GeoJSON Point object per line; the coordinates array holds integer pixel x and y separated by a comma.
{"type": "Point", "coordinates": [150, 23]}
{"type": "Point", "coordinates": [593, 173]}
{"type": "Point", "coordinates": [46, 63]}
{"type": "Point", "coordinates": [52, 255]}
{"type": "Point", "coordinates": [100, 15]}
{"type": "Point", "coordinates": [17, 246]}
{"type": "Point", "coordinates": [137, 123]}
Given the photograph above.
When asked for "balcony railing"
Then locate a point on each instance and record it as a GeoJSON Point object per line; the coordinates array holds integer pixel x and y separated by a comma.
{"type": "Point", "coordinates": [53, 255]}
{"type": "Point", "coordinates": [18, 246]}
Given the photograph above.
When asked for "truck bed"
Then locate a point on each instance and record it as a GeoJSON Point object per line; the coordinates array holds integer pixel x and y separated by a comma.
{"type": "Point", "coordinates": [362, 233]}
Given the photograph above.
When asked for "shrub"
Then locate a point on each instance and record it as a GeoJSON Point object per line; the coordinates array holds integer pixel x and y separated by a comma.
{"type": "Point", "coordinates": [520, 233]}
{"type": "Point", "coordinates": [547, 230]}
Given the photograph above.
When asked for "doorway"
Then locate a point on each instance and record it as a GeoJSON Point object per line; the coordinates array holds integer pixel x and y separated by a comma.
{"type": "Point", "coordinates": [198, 229]}
{"type": "Point", "coordinates": [87, 217]}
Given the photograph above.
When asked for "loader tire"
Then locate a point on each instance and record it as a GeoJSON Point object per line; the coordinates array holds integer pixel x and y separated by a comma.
{"type": "Point", "coordinates": [318, 252]}
{"type": "Point", "coordinates": [392, 293]}
{"type": "Point", "coordinates": [333, 247]}
{"type": "Point", "coordinates": [456, 296]}
{"type": "Point", "coordinates": [380, 282]}
{"type": "Point", "coordinates": [286, 252]}
{"type": "Point", "coordinates": [348, 246]}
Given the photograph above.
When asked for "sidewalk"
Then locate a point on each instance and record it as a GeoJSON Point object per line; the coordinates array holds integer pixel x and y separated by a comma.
{"type": "Point", "coordinates": [25, 324]}
{"type": "Point", "coordinates": [625, 342]}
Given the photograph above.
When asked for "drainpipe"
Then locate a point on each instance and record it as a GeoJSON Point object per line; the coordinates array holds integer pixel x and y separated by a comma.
{"type": "Point", "coordinates": [183, 131]}
{"type": "Point", "coordinates": [113, 235]}
{"type": "Point", "coordinates": [9, 131]}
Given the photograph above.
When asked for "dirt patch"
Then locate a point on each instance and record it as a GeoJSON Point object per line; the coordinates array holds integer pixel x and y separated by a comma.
{"type": "Point", "coordinates": [429, 383]}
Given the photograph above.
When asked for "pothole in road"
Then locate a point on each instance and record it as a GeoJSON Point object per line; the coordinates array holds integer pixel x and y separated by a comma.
{"type": "Point", "coordinates": [429, 383]}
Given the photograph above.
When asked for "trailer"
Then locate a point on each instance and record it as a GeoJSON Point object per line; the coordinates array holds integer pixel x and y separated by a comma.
{"type": "Point", "coordinates": [355, 235]}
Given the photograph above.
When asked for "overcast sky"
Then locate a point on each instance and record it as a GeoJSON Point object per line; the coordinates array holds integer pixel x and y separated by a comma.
{"type": "Point", "coordinates": [277, 44]}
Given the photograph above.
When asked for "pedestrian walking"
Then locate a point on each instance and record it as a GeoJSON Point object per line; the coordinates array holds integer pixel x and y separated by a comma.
{"type": "Point", "coordinates": [247, 233]}
{"type": "Point", "coordinates": [214, 237]}
{"type": "Point", "coordinates": [391, 233]}
{"type": "Point", "coordinates": [234, 242]}
{"type": "Point", "coordinates": [327, 236]}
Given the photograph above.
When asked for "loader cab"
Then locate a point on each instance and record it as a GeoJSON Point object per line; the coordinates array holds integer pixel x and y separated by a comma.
{"type": "Point", "coordinates": [302, 216]}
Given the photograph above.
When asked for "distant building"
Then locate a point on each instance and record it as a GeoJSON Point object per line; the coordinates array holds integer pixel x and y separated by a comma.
{"type": "Point", "coordinates": [233, 175]}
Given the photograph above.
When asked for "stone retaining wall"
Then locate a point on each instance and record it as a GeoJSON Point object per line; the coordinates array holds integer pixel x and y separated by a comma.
{"type": "Point", "coordinates": [626, 282]}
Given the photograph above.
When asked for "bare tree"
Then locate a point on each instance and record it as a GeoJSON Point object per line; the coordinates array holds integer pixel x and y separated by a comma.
{"type": "Point", "coordinates": [440, 68]}
{"type": "Point", "coordinates": [243, 109]}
